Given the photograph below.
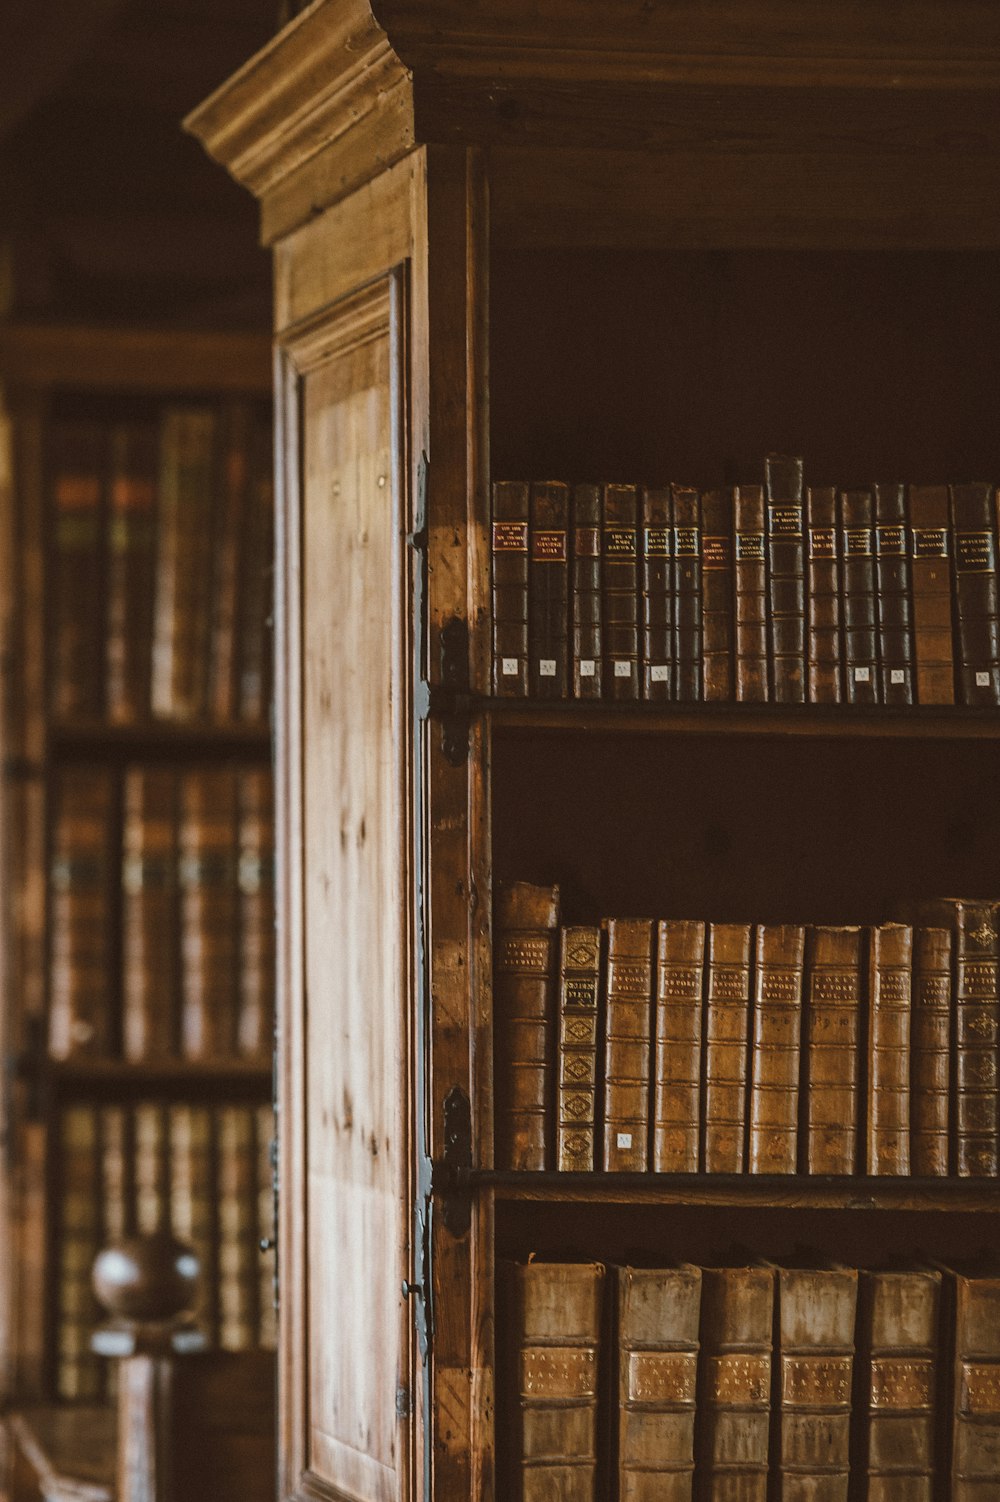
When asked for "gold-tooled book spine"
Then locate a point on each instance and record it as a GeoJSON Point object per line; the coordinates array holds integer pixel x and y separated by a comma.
{"type": "Point", "coordinates": [727, 1027]}
{"type": "Point", "coordinates": [890, 964]}
{"type": "Point", "coordinates": [777, 1024]}
{"type": "Point", "coordinates": [627, 1045]}
{"type": "Point", "coordinates": [237, 1250]}
{"type": "Point", "coordinates": [130, 562]}
{"type": "Point", "coordinates": [579, 980]}
{"type": "Point", "coordinates": [208, 913]}
{"type": "Point", "coordinates": [658, 1311]}
{"type": "Point", "coordinates": [527, 918]}
{"type": "Point", "coordinates": [194, 1200]}
{"type": "Point", "coordinates": [734, 1396]}
{"type": "Point", "coordinates": [816, 1320]}
{"type": "Point", "coordinates": [898, 1355]}
{"type": "Point", "coordinates": [930, 1043]}
{"type": "Point", "coordinates": [930, 575]}
{"type": "Point", "coordinates": [975, 1436]}
{"type": "Point", "coordinates": [680, 966]}
{"type": "Point", "coordinates": [78, 1370]}
{"type": "Point", "coordinates": [80, 877]}
{"type": "Point", "coordinates": [149, 915]}
{"type": "Point", "coordinates": [833, 985]}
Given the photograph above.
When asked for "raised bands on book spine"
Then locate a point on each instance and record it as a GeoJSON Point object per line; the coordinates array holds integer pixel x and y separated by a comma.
{"type": "Point", "coordinates": [734, 1397]}
{"type": "Point", "coordinates": [620, 585]}
{"type": "Point", "coordinates": [130, 565]}
{"type": "Point", "coordinates": [76, 489]}
{"type": "Point", "coordinates": [930, 1050]}
{"type": "Point", "coordinates": [890, 964]}
{"type": "Point", "coordinates": [80, 878]}
{"type": "Point", "coordinates": [527, 918]}
{"type": "Point", "coordinates": [717, 594]}
{"type": "Point", "coordinates": [509, 548]}
{"type": "Point", "coordinates": [657, 592]}
{"type": "Point", "coordinates": [207, 879]}
{"type": "Point", "coordinates": [823, 646]}
{"type": "Point", "coordinates": [677, 1078]}
{"type": "Point", "coordinates": [585, 569]}
{"type": "Point", "coordinates": [149, 914]}
{"type": "Point", "coordinates": [579, 980]}
{"type": "Point", "coordinates": [727, 1026]}
{"type": "Point", "coordinates": [750, 594]}
{"type": "Point", "coordinates": [816, 1319]}
{"type": "Point", "coordinates": [786, 581]}
{"type": "Point", "coordinates": [897, 1358]}
{"type": "Point", "coordinates": [777, 1022]}
{"type": "Point", "coordinates": [548, 593]}
{"type": "Point", "coordinates": [687, 592]}
{"type": "Point", "coordinates": [833, 988]}
{"type": "Point", "coordinates": [930, 573]}
{"type": "Point", "coordinates": [627, 1045]}
{"type": "Point", "coordinates": [895, 605]}
{"type": "Point", "coordinates": [974, 1299]}
{"type": "Point", "coordinates": [974, 561]}
{"type": "Point", "coordinates": [658, 1340]}
{"type": "Point", "coordinates": [857, 562]}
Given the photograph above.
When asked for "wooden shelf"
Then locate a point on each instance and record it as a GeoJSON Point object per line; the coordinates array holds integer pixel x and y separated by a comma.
{"type": "Point", "coordinates": [95, 739]}
{"type": "Point", "coordinates": [109, 1073]}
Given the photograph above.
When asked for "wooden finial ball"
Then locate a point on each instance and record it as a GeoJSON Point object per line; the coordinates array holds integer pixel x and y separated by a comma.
{"type": "Point", "coordinates": [149, 1278]}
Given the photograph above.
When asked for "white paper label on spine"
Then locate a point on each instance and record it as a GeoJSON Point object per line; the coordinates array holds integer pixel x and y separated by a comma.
{"type": "Point", "coordinates": [547, 667]}
{"type": "Point", "coordinates": [982, 680]}
{"type": "Point", "coordinates": [897, 675]}
{"type": "Point", "coordinates": [588, 667]}
{"type": "Point", "coordinates": [861, 675]}
{"type": "Point", "coordinates": [623, 669]}
{"type": "Point", "coordinates": [624, 1139]}
{"type": "Point", "coordinates": [659, 672]}
{"type": "Point", "coordinates": [508, 667]}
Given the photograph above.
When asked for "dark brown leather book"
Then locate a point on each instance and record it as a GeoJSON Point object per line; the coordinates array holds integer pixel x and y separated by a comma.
{"type": "Point", "coordinates": [815, 1330]}
{"type": "Point", "coordinates": [130, 566]}
{"type": "Point", "coordinates": [895, 605]}
{"type": "Point", "coordinates": [230, 524]}
{"type": "Point", "coordinates": [890, 964]}
{"type": "Point", "coordinates": [151, 1167]}
{"type": "Point", "coordinates": [80, 878]}
{"type": "Point", "coordinates": [727, 1029]}
{"type": "Point", "coordinates": [548, 591]}
{"type": "Point", "coordinates": [786, 579]}
{"type": "Point", "coordinates": [579, 983]}
{"type": "Point", "coordinates": [620, 585]}
{"type": "Point", "coordinates": [972, 1302]}
{"type": "Point", "coordinates": [777, 1023]}
{"type": "Point", "coordinates": [833, 1027]}
{"type": "Point", "coordinates": [255, 874]}
{"type": "Point", "coordinates": [823, 641]}
{"type": "Point", "coordinates": [208, 913]}
{"type": "Point", "coordinates": [930, 572]}
{"type": "Point", "coordinates": [687, 592]}
{"type": "Point", "coordinates": [256, 586]}
{"type": "Point", "coordinates": [897, 1360]}
{"type": "Point", "coordinates": [680, 965]}
{"type": "Point", "coordinates": [734, 1391]}
{"type": "Point", "coordinates": [193, 1199]}
{"type": "Point", "coordinates": [974, 562]}
{"type": "Point", "coordinates": [627, 1045]}
{"type": "Point", "coordinates": [527, 919]}
{"type": "Point", "coordinates": [510, 588]}
{"type": "Point", "coordinates": [585, 606]}
{"type": "Point", "coordinates": [930, 1051]}
{"type": "Point", "coordinates": [557, 1324]}
{"type": "Point", "coordinates": [857, 563]}
{"type": "Point", "coordinates": [237, 1227]}
{"type": "Point", "coordinates": [77, 1369]}
{"type": "Point", "coordinates": [76, 489]}
{"type": "Point", "coordinates": [149, 914]}
{"type": "Point", "coordinates": [717, 594]}
{"type": "Point", "coordinates": [750, 594]}
{"type": "Point", "coordinates": [658, 1324]}
{"type": "Point", "coordinates": [657, 591]}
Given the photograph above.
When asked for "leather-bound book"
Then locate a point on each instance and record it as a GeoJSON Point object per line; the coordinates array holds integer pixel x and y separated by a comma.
{"type": "Point", "coordinates": [149, 914]}
{"type": "Point", "coordinates": [687, 592]}
{"type": "Point", "coordinates": [80, 878]}
{"type": "Point", "coordinates": [974, 560]}
{"type": "Point", "coordinates": [930, 572]}
{"type": "Point", "coordinates": [585, 605]}
{"type": "Point", "coordinates": [255, 878]}
{"type": "Point", "coordinates": [776, 1031]}
{"type": "Point", "coordinates": [857, 563]}
{"type": "Point", "coordinates": [620, 585]}
{"type": "Point", "coordinates": [930, 1051]}
{"type": "Point", "coordinates": [680, 966]}
{"type": "Point", "coordinates": [823, 638]}
{"type": "Point", "coordinates": [658, 1317]}
{"type": "Point", "coordinates": [832, 1020]}
{"type": "Point", "coordinates": [230, 524]}
{"type": "Point", "coordinates": [627, 1045]}
{"type": "Point", "coordinates": [510, 588]}
{"type": "Point", "coordinates": [727, 1029]}
{"type": "Point", "coordinates": [734, 1397]}
{"type": "Point", "coordinates": [786, 579]}
{"type": "Point", "coordinates": [208, 913]}
{"type": "Point", "coordinates": [527, 920]}
{"type": "Point", "coordinates": [76, 489]}
{"type": "Point", "coordinates": [256, 597]}
{"type": "Point", "coordinates": [717, 594]}
{"type": "Point", "coordinates": [890, 964]}
{"type": "Point", "coordinates": [750, 593]}
{"type": "Point", "coordinates": [657, 594]}
{"type": "Point", "coordinates": [972, 1303]}
{"type": "Point", "coordinates": [194, 1199]}
{"type": "Point", "coordinates": [579, 981]}
{"type": "Point", "coordinates": [815, 1326]}
{"type": "Point", "coordinates": [267, 1314]}
{"type": "Point", "coordinates": [152, 1167]}
{"type": "Point", "coordinates": [556, 1327]}
{"type": "Point", "coordinates": [130, 564]}
{"type": "Point", "coordinates": [898, 1359]}
{"type": "Point", "coordinates": [117, 1213]}
{"type": "Point", "coordinates": [77, 1369]}
{"type": "Point", "coordinates": [237, 1206]}
{"type": "Point", "coordinates": [895, 606]}
{"type": "Point", "coordinates": [548, 591]}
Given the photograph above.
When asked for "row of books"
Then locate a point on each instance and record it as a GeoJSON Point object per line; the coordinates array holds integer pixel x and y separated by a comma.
{"type": "Point", "coordinates": [203, 1172]}
{"type": "Point", "coordinates": [737, 1384]}
{"type": "Point", "coordinates": [169, 892]}
{"type": "Point", "coordinates": [160, 576]}
{"type": "Point", "coordinates": [686, 1047]}
{"type": "Point", "coordinates": [881, 594]}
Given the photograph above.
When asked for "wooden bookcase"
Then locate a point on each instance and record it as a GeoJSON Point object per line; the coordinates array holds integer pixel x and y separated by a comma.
{"type": "Point", "coordinates": [586, 240]}
{"type": "Point", "coordinates": [109, 375]}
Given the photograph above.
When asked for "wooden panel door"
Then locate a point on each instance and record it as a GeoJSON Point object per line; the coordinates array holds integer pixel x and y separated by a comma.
{"type": "Point", "coordinates": [347, 981]}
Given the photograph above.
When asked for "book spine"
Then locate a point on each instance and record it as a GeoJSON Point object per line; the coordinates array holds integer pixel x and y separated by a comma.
{"type": "Point", "coordinates": [116, 1211]}
{"type": "Point", "coordinates": [777, 1024]}
{"type": "Point", "coordinates": [510, 588]}
{"type": "Point", "coordinates": [657, 591]}
{"type": "Point", "coordinates": [152, 1169]}
{"type": "Point", "coordinates": [975, 1389]}
{"type": "Point", "coordinates": [208, 913]}
{"type": "Point", "coordinates": [727, 1027]}
{"type": "Point", "coordinates": [627, 1045]}
{"type": "Point", "coordinates": [833, 988]}
{"type": "Point", "coordinates": [238, 1280]}
{"type": "Point", "coordinates": [930, 576]}
{"type": "Point", "coordinates": [130, 572]}
{"type": "Point", "coordinates": [256, 584]}
{"type": "Point", "coordinates": [226, 547]}
{"type": "Point", "coordinates": [579, 980]}
{"type": "Point", "coordinates": [658, 1343]}
{"type": "Point", "coordinates": [897, 1357]}
{"type": "Point", "coordinates": [620, 586]}
{"type": "Point", "coordinates": [149, 914]}
{"type": "Point", "coordinates": [974, 561]}
{"type": "Point", "coordinates": [76, 491]}
{"type": "Point", "coordinates": [895, 604]}
{"type": "Point", "coordinates": [889, 976]}
{"type": "Point", "coordinates": [80, 914]}
{"type": "Point", "coordinates": [680, 970]}
{"type": "Point", "coordinates": [857, 562]}
{"type": "Point", "coordinates": [548, 591]}
{"type": "Point", "coordinates": [823, 650]}
{"type": "Point", "coordinates": [264, 1137]}
{"type": "Point", "coordinates": [587, 676]}
{"type": "Point", "coordinates": [816, 1319]}
{"type": "Point", "coordinates": [717, 594]}
{"type": "Point", "coordinates": [194, 1201]}
{"type": "Point", "coordinates": [527, 918]}
{"type": "Point", "coordinates": [687, 592]}
{"type": "Point", "coordinates": [976, 1019]}
{"type": "Point", "coordinates": [255, 879]}
{"type": "Point", "coordinates": [931, 1049]}
{"type": "Point", "coordinates": [734, 1398]}
{"type": "Point", "coordinates": [750, 594]}
{"type": "Point", "coordinates": [786, 579]}
{"type": "Point", "coordinates": [78, 1370]}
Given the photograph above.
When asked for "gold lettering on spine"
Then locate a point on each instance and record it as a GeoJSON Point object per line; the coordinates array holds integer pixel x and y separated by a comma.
{"type": "Point", "coordinates": [900, 1382]}
{"type": "Point", "coordinates": [557, 1373]}
{"type": "Point", "coordinates": [815, 1381]}
{"type": "Point", "coordinates": [662, 1376]}
{"type": "Point", "coordinates": [980, 1387]}
{"type": "Point", "coordinates": [739, 1380]}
